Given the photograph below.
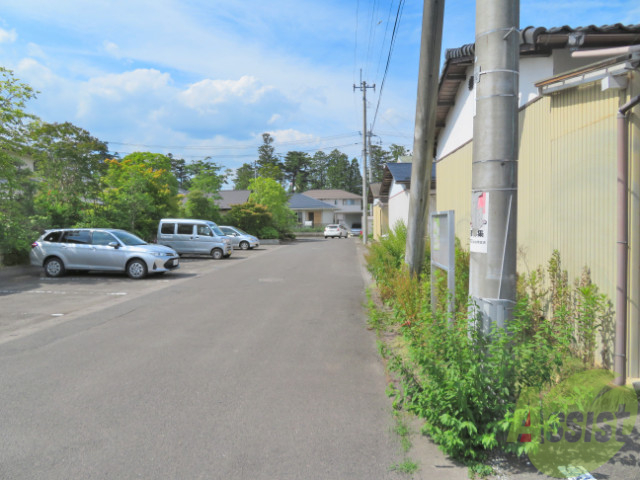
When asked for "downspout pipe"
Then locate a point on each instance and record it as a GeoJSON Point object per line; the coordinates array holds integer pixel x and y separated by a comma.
{"type": "Point", "coordinates": [620, 353]}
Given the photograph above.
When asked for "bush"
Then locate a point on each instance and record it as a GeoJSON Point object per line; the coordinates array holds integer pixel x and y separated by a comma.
{"type": "Point", "coordinates": [464, 382]}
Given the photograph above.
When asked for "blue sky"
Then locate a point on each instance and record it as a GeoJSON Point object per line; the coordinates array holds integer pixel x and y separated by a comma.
{"type": "Point", "coordinates": [205, 78]}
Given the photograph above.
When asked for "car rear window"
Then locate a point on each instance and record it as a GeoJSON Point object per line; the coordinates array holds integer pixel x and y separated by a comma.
{"type": "Point", "coordinates": [53, 237]}
{"type": "Point", "coordinates": [168, 228]}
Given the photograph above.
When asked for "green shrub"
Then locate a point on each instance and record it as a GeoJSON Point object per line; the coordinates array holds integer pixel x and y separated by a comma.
{"type": "Point", "coordinates": [464, 382]}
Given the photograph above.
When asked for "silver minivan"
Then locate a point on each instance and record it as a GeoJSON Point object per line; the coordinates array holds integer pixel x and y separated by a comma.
{"type": "Point", "coordinates": [193, 236]}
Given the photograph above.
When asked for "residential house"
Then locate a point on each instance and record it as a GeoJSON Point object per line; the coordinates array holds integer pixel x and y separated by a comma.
{"type": "Point", "coordinates": [392, 204]}
{"type": "Point", "coordinates": [572, 82]}
{"type": "Point", "coordinates": [229, 198]}
{"type": "Point", "coordinates": [310, 211]}
{"type": "Point", "coordinates": [349, 205]}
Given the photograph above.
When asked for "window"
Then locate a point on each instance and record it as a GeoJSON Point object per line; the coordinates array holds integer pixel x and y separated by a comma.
{"type": "Point", "coordinates": [350, 201]}
{"type": "Point", "coordinates": [168, 228]}
{"type": "Point", "coordinates": [185, 228]}
{"type": "Point", "coordinates": [102, 238]}
{"type": "Point", "coordinates": [77, 236]}
{"type": "Point", "coordinates": [204, 230]}
{"type": "Point", "coordinates": [53, 237]}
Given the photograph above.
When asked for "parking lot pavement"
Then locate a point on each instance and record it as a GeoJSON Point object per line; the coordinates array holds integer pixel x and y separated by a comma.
{"type": "Point", "coordinates": [32, 301]}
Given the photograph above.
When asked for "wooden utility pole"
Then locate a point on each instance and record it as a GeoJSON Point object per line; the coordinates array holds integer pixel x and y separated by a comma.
{"type": "Point", "coordinates": [365, 213]}
{"type": "Point", "coordinates": [424, 133]}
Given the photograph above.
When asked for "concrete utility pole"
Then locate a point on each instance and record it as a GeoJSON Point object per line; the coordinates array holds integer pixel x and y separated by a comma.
{"type": "Point", "coordinates": [424, 133]}
{"type": "Point", "coordinates": [365, 227]}
{"type": "Point", "coordinates": [494, 184]}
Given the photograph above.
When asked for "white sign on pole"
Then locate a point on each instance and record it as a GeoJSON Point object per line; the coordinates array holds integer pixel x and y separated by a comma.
{"type": "Point", "coordinates": [479, 222]}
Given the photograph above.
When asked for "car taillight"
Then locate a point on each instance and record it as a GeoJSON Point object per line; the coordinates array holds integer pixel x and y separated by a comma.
{"type": "Point", "coordinates": [34, 244]}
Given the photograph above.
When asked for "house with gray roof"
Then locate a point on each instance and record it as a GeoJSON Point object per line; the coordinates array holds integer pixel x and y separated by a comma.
{"type": "Point", "coordinates": [348, 205]}
{"type": "Point", "coordinates": [310, 211]}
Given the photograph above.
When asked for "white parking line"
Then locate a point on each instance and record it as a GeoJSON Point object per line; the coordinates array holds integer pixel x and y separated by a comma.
{"type": "Point", "coordinates": [60, 292]}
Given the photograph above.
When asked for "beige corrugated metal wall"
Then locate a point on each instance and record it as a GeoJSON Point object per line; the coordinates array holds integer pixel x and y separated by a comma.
{"type": "Point", "coordinates": [453, 189]}
{"type": "Point", "coordinates": [566, 190]}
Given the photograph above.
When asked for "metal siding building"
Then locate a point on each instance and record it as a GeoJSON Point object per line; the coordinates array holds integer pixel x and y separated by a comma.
{"type": "Point", "coordinates": [567, 180]}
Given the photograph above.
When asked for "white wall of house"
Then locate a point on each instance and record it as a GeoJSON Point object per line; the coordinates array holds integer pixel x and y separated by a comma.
{"type": "Point", "coordinates": [532, 69]}
{"type": "Point", "coordinates": [398, 204]}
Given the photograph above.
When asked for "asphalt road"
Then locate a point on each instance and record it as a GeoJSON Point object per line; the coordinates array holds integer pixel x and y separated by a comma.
{"type": "Point", "coordinates": [259, 367]}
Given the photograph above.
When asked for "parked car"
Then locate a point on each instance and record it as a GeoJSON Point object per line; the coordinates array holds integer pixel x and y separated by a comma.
{"type": "Point", "coordinates": [239, 238]}
{"type": "Point", "coordinates": [355, 232]}
{"type": "Point", "coordinates": [336, 230]}
{"type": "Point", "coordinates": [192, 236]}
{"type": "Point", "coordinates": [103, 249]}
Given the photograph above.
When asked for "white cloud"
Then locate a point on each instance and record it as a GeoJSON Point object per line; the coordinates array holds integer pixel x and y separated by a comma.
{"type": "Point", "coordinates": [291, 135]}
{"type": "Point", "coordinates": [8, 36]}
{"type": "Point", "coordinates": [34, 50]}
{"type": "Point", "coordinates": [139, 81]}
{"type": "Point", "coordinates": [274, 118]}
{"type": "Point", "coordinates": [205, 94]}
{"type": "Point", "coordinates": [39, 75]}
{"type": "Point", "coordinates": [112, 49]}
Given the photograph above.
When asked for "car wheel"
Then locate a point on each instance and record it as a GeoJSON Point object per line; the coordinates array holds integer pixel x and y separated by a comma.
{"type": "Point", "coordinates": [325, 237]}
{"type": "Point", "coordinates": [244, 245]}
{"type": "Point", "coordinates": [54, 267]}
{"type": "Point", "coordinates": [217, 254]}
{"type": "Point", "coordinates": [136, 269]}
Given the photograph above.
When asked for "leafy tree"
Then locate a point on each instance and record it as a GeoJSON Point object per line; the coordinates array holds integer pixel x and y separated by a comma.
{"type": "Point", "coordinates": [251, 217]}
{"type": "Point", "coordinates": [69, 163]}
{"type": "Point", "coordinates": [354, 179]}
{"type": "Point", "coordinates": [397, 151]}
{"type": "Point", "coordinates": [318, 175]}
{"type": "Point", "coordinates": [140, 189]}
{"type": "Point", "coordinates": [297, 167]}
{"type": "Point", "coordinates": [268, 164]}
{"type": "Point", "coordinates": [179, 169]}
{"type": "Point", "coordinates": [337, 170]}
{"type": "Point", "coordinates": [15, 185]}
{"type": "Point", "coordinates": [377, 158]}
{"type": "Point", "coordinates": [199, 205]}
{"type": "Point", "coordinates": [268, 192]}
{"type": "Point", "coordinates": [244, 175]}
{"type": "Point", "coordinates": [206, 177]}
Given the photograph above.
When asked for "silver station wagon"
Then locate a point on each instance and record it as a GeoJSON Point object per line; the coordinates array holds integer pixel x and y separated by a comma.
{"type": "Point", "coordinates": [103, 249]}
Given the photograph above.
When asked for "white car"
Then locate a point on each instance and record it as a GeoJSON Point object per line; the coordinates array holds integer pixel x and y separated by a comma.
{"type": "Point", "coordinates": [336, 230]}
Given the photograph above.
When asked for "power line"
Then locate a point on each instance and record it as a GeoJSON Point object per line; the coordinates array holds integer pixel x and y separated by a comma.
{"type": "Point", "coordinates": [247, 155]}
{"type": "Point", "coordinates": [386, 70]}
{"type": "Point", "coordinates": [236, 147]}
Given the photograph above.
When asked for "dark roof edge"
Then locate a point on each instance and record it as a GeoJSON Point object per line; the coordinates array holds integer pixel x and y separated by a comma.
{"type": "Point", "coordinates": [541, 39]}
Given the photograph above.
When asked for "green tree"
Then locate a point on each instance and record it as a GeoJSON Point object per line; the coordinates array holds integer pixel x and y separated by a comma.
{"type": "Point", "coordinates": [140, 189]}
{"type": "Point", "coordinates": [338, 166]}
{"type": "Point", "coordinates": [15, 185]}
{"type": "Point", "coordinates": [397, 151]}
{"type": "Point", "coordinates": [268, 164]}
{"type": "Point", "coordinates": [205, 182]}
{"type": "Point", "coordinates": [244, 175]}
{"type": "Point", "coordinates": [179, 169]}
{"type": "Point", "coordinates": [297, 167]}
{"type": "Point", "coordinates": [69, 164]}
{"type": "Point", "coordinates": [268, 192]}
{"type": "Point", "coordinates": [377, 158]}
{"type": "Point", "coordinates": [251, 217]}
{"type": "Point", "coordinates": [354, 179]}
{"type": "Point", "coordinates": [318, 174]}
{"type": "Point", "coordinates": [199, 205]}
